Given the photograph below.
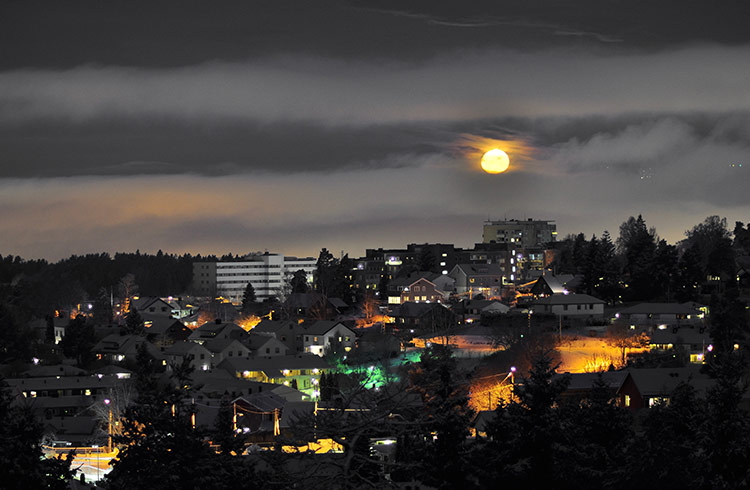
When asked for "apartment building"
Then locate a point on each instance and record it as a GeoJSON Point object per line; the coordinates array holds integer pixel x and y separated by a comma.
{"type": "Point", "coordinates": [266, 272]}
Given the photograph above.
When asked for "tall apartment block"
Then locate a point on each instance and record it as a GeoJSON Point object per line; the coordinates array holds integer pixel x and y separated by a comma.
{"type": "Point", "coordinates": [266, 272]}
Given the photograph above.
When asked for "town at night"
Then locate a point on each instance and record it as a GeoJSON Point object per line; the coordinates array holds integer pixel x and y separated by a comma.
{"type": "Point", "coordinates": [357, 244]}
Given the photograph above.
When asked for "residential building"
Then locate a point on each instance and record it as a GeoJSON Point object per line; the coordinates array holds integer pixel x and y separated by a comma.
{"type": "Point", "coordinates": [423, 317]}
{"type": "Point", "coordinates": [646, 388]}
{"type": "Point", "coordinates": [526, 234]}
{"type": "Point", "coordinates": [695, 342]}
{"type": "Point", "coordinates": [654, 314]}
{"type": "Point", "coordinates": [569, 305]}
{"type": "Point", "coordinates": [266, 272]}
{"type": "Point", "coordinates": [304, 369]}
{"type": "Point", "coordinates": [201, 358]}
{"type": "Point", "coordinates": [318, 337]}
{"type": "Point", "coordinates": [217, 330]}
{"type": "Point", "coordinates": [473, 279]}
{"type": "Point", "coordinates": [422, 291]}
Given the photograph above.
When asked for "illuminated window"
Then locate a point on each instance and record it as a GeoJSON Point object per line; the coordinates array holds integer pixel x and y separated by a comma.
{"type": "Point", "coordinates": [627, 400]}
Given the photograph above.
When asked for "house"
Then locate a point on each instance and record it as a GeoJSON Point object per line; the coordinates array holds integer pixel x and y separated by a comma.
{"type": "Point", "coordinates": [265, 345]}
{"type": "Point", "coordinates": [423, 316]}
{"type": "Point", "coordinates": [302, 370]}
{"type": "Point", "coordinates": [548, 285]}
{"type": "Point", "coordinates": [475, 309]}
{"type": "Point", "coordinates": [472, 279]}
{"type": "Point", "coordinates": [217, 330]}
{"type": "Point", "coordinates": [375, 344]}
{"type": "Point", "coordinates": [226, 349]}
{"type": "Point", "coordinates": [118, 348]}
{"type": "Point", "coordinates": [318, 337]}
{"type": "Point", "coordinates": [180, 308]}
{"type": "Point", "coordinates": [444, 283]}
{"type": "Point", "coordinates": [422, 291]}
{"type": "Point", "coordinates": [202, 358]}
{"type": "Point", "coordinates": [694, 341]}
{"type": "Point", "coordinates": [287, 332]}
{"type": "Point", "coordinates": [644, 388]}
{"type": "Point", "coordinates": [569, 305]}
{"type": "Point", "coordinates": [580, 385]}
{"type": "Point", "coordinates": [152, 306]}
{"type": "Point", "coordinates": [163, 331]}
{"type": "Point", "coordinates": [397, 285]}
{"type": "Point", "coordinates": [668, 314]}
{"type": "Point", "coordinates": [307, 305]}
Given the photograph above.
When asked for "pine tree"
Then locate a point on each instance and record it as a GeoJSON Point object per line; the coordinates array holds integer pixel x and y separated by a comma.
{"type": "Point", "coordinates": [528, 436]}
{"type": "Point", "coordinates": [134, 323]}
{"type": "Point", "coordinates": [248, 298]}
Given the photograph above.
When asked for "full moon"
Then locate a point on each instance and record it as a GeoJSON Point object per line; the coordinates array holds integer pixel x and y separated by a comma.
{"type": "Point", "coordinates": [495, 161]}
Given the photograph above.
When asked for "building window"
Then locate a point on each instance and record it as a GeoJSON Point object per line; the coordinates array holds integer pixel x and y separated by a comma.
{"type": "Point", "coordinates": [627, 400]}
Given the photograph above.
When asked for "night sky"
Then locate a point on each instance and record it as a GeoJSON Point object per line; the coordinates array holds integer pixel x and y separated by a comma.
{"type": "Point", "coordinates": [213, 127]}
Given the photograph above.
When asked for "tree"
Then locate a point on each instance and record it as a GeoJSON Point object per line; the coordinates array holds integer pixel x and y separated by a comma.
{"type": "Point", "coordinates": [665, 271]}
{"type": "Point", "coordinates": [599, 430]}
{"type": "Point", "coordinates": [324, 275]}
{"type": "Point", "coordinates": [712, 240]}
{"type": "Point", "coordinates": [134, 323]}
{"type": "Point", "coordinates": [298, 282]}
{"type": "Point", "coordinates": [248, 298]}
{"type": "Point", "coordinates": [637, 245]}
{"type": "Point", "coordinates": [621, 337]}
{"type": "Point", "coordinates": [79, 341]}
{"type": "Point", "coordinates": [160, 448]}
{"type": "Point", "coordinates": [608, 285]}
{"type": "Point", "coordinates": [23, 465]}
{"type": "Point", "coordinates": [528, 437]}
{"type": "Point", "coordinates": [665, 453]}
{"type": "Point", "coordinates": [439, 446]}
{"type": "Point", "coordinates": [427, 261]}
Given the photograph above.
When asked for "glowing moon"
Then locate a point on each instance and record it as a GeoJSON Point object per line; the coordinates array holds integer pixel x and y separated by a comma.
{"type": "Point", "coordinates": [495, 161]}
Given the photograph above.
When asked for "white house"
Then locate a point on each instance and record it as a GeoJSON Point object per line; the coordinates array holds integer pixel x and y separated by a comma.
{"type": "Point", "coordinates": [569, 305]}
{"type": "Point", "coordinates": [316, 338]}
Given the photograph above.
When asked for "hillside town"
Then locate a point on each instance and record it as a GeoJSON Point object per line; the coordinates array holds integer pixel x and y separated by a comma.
{"type": "Point", "coordinates": [333, 371]}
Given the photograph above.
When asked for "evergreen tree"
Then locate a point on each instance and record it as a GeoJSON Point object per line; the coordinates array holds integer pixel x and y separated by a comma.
{"type": "Point", "coordinates": [230, 443]}
{"type": "Point", "coordinates": [427, 261]}
{"type": "Point", "coordinates": [690, 276]}
{"type": "Point", "coordinates": [79, 341]}
{"type": "Point", "coordinates": [529, 442]}
{"type": "Point", "coordinates": [608, 287]}
{"type": "Point", "coordinates": [248, 299]}
{"type": "Point", "coordinates": [665, 271]}
{"type": "Point", "coordinates": [599, 430]}
{"type": "Point", "coordinates": [637, 245]}
{"type": "Point", "coordinates": [298, 282]}
{"type": "Point", "coordinates": [668, 452]}
{"type": "Point", "coordinates": [440, 451]}
{"type": "Point", "coordinates": [134, 323]}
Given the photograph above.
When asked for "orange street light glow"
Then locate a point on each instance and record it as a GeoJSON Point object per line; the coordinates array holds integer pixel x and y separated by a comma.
{"type": "Point", "coordinates": [495, 161]}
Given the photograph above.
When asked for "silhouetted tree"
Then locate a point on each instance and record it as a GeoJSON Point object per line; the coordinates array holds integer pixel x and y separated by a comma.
{"type": "Point", "coordinates": [248, 298]}
{"type": "Point", "coordinates": [134, 323]}
{"type": "Point", "coordinates": [79, 341]}
{"type": "Point", "coordinates": [298, 282]}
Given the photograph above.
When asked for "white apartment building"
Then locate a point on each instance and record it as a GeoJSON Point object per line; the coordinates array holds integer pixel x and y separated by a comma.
{"type": "Point", "coordinates": [266, 272]}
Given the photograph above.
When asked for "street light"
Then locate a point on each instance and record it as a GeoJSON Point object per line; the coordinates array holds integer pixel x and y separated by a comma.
{"type": "Point", "coordinates": [107, 402]}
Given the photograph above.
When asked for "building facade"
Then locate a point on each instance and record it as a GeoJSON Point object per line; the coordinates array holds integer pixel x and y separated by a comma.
{"type": "Point", "coordinates": [266, 272]}
{"type": "Point", "coordinates": [525, 234]}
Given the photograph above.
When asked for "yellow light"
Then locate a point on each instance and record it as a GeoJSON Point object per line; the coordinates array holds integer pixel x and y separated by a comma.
{"type": "Point", "coordinates": [495, 161]}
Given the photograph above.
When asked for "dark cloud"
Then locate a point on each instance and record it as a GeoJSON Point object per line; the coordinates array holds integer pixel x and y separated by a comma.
{"type": "Point", "coordinates": [55, 34]}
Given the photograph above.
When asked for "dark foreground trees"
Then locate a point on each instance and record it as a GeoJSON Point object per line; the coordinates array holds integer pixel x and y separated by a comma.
{"type": "Point", "coordinates": [159, 446]}
{"type": "Point", "coordinates": [22, 465]}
